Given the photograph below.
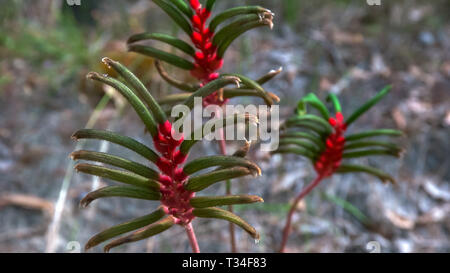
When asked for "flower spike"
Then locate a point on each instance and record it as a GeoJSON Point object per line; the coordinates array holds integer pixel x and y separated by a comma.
{"type": "Point", "coordinates": [207, 45]}
{"type": "Point", "coordinates": [210, 36]}
{"type": "Point", "coordinates": [173, 185]}
{"type": "Point", "coordinates": [326, 145]}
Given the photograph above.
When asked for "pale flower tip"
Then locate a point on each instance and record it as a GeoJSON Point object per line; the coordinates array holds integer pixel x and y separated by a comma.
{"type": "Point", "coordinates": [276, 71]}
{"type": "Point", "coordinates": [259, 172]}
{"type": "Point", "coordinates": [238, 82]}
{"type": "Point", "coordinates": [107, 61]}
{"type": "Point", "coordinates": [92, 75]}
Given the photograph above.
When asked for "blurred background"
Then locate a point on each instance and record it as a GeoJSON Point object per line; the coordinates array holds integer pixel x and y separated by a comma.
{"type": "Point", "coordinates": [344, 46]}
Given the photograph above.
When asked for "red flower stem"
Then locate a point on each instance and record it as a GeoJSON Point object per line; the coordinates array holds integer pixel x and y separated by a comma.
{"type": "Point", "coordinates": [302, 194]}
{"type": "Point", "coordinates": [192, 238]}
{"type": "Point", "coordinates": [222, 144]}
{"type": "Point", "coordinates": [223, 150]}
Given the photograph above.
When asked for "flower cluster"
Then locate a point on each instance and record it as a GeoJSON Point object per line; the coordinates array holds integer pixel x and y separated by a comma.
{"type": "Point", "coordinates": [330, 159]}
{"type": "Point", "coordinates": [207, 61]}
{"type": "Point", "coordinates": [174, 184]}
{"type": "Point", "coordinates": [207, 46]}
{"type": "Point", "coordinates": [322, 138]}
{"type": "Point", "coordinates": [323, 142]}
{"type": "Point", "coordinates": [174, 197]}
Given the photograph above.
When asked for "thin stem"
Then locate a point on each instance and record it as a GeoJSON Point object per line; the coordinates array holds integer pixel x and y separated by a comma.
{"type": "Point", "coordinates": [192, 239]}
{"type": "Point", "coordinates": [223, 150]}
{"type": "Point", "coordinates": [302, 194]}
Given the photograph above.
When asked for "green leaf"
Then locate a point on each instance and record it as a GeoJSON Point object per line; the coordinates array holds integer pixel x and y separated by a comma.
{"type": "Point", "coordinates": [314, 101]}
{"type": "Point", "coordinates": [210, 88]}
{"type": "Point", "coordinates": [162, 55]}
{"type": "Point", "coordinates": [176, 16]}
{"type": "Point", "coordinates": [222, 48]}
{"type": "Point", "coordinates": [134, 100]}
{"type": "Point", "coordinates": [168, 39]}
{"type": "Point", "coordinates": [124, 228]}
{"type": "Point", "coordinates": [295, 150]}
{"type": "Point", "coordinates": [373, 152]}
{"type": "Point", "coordinates": [308, 124]}
{"type": "Point", "coordinates": [364, 144]}
{"type": "Point", "coordinates": [116, 161]}
{"type": "Point", "coordinates": [253, 85]}
{"type": "Point", "coordinates": [143, 233]}
{"type": "Point", "coordinates": [313, 138]}
{"type": "Point", "coordinates": [118, 175]}
{"type": "Point", "coordinates": [347, 168]}
{"type": "Point", "coordinates": [139, 88]}
{"type": "Point", "coordinates": [311, 118]}
{"type": "Point", "coordinates": [237, 92]}
{"type": "Point", "coordinates": [334, 99]}
{"type": "Point", "coordinates": [172, 81]}
{"type": "Point", "coordinates": [212, 201]}
{"type": "Point", "coordinates": [120, 191]}
{"type": "Point", "coordinates": [174, 98]}
{"type": "Point", "coordinates": [210, 4]}
{"type": "Point", "coordinates": [367, 105]}
{"type": "Point", "coordinates": [202, 181]}
{"type": "Point", "coordinates": [228, 216]}
{"type": "Point", "coordinates": [223, 122]}
{"type": "Point", "coordinates": [231, 28]}
{"type": "Point", "coordinates": [183, 7]}
{"type": "Point", "coordinates": [222, 161]}
{"type": "Point", "coordinates": [302, 143]}
{"type": "Point", "coordinates": [221, 17]}
{"type": "Point", "coordinates": [374, 133]}
{"type": "Point", "coordinates": [124, 141]}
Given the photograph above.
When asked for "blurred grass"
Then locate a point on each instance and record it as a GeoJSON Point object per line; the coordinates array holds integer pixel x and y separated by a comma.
{"type": "Point", "coordinates": [59, 51]}
{"type": "Point", "coordinates": [347, 206]}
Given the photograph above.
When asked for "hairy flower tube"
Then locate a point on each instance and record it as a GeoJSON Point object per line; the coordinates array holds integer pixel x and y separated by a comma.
{"type": "Point", "coordinates": [174, 183]}
{"type": "Point", "coordinates": [322, 140]}
{"type": "Point", "coordinates": [207, 46]}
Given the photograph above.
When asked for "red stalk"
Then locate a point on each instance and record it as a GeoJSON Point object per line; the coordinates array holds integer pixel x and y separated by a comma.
{"type": "Point", "coordinates": [192, 238]}
{"type": "Point", "coordinates": [328, 162]}
{"type": "Point", "coordinates": [302, 194]}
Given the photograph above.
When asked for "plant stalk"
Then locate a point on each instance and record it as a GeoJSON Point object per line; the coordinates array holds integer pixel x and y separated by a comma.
{"type": "Point", "coordinates": [223, 150]}
{"type": "Point", "coordinates": [192, 238]}
{"type": "Point", "coordinates": [302, 194]}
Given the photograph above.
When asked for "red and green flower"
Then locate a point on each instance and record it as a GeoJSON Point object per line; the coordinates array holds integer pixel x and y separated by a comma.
{"type": "Point", "coordinates": [323, 140]}
{"type": "Point", "coordinates": [173, 184]}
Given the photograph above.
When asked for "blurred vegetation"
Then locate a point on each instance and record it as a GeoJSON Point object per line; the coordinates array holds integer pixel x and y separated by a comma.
{"type": "Point", "coordinates": [59, 49]}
